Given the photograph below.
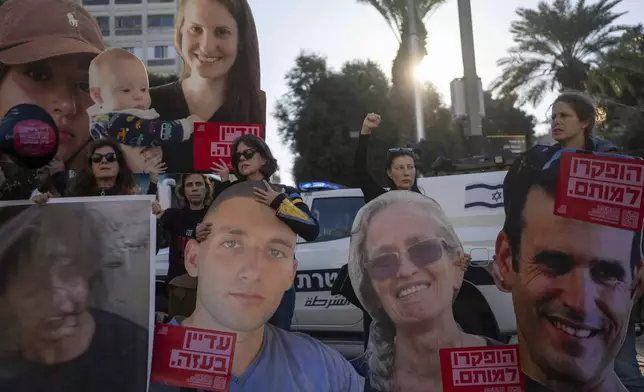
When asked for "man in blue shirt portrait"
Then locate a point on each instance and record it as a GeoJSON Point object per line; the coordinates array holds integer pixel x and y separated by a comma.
{"type": "Point", "coordinates": [243, 268]}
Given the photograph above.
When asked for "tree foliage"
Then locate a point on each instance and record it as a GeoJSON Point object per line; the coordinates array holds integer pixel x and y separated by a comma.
{"type": "Point", "coordinates": [396, 14]}
{"type": "Point", "coordinates": [504, 117]}
{"type": "Point", "coordinates": [624, 111]}
{"type": "Point", "coordinates": [560, 46]}
{"type": "Point", "coordinates": [322, 113]}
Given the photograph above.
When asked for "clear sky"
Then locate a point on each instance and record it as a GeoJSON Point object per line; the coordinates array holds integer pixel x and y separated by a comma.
{"type": "Point", "coordinates": [343, 30]}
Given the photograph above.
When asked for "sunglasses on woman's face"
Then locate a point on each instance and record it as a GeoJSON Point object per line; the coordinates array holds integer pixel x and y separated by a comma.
{"type": "Point", "coordinates": [420, 254]}
{"type": "Point", "coordinates": [98, 157]}
{"type": "Point", "coordinates": [247, 154]}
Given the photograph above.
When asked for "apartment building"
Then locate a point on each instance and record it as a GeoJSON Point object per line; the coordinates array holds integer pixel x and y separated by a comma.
{"type": "Point", "coordinates": [144, 27]}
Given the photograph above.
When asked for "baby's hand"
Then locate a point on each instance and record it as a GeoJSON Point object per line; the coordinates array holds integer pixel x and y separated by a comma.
{"type": "Point", "coordinates": [194, 118]}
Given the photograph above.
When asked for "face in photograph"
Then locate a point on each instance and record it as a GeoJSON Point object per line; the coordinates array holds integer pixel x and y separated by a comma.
{"type": "Point", "coordinates": [45, 277]}
{"type": "Point", "coordinates": [410, 264]}
{"type": "Point", "coordinates": [570, 285]}
{"type": "Point", "coordinates": [209, 38]}
{"type": "Point", "coordinates": [60, 86]}
{"type": "Point", "coordinates": [245, 265]}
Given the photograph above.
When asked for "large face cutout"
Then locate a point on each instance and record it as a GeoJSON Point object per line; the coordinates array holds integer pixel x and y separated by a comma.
{"type": "Point", "coordinates": [412, 269]}
{"type": "Point", "coordinates": [245, 265]}
{"type": "Point", "coordinates": [210, 38]}
{"type": "Point", "coordinates": [58, 85]}
{"type": "Point", "coordinates": [571, 292]}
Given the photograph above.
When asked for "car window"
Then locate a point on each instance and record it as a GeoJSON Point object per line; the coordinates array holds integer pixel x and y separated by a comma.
{"type": "Point", "coordinates": [335, 216]}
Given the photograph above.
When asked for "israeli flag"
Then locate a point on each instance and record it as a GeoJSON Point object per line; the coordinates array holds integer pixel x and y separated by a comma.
{"type": "Point", "coordinates": [484, 195]}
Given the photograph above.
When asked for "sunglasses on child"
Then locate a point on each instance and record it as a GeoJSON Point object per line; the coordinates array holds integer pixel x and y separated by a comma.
{"type": "Point", "coordinates": [247, 154]}
{"type": "Point", "coordinates": [98, 157]}
{"type": "Point", "coordinates": [420, 254]}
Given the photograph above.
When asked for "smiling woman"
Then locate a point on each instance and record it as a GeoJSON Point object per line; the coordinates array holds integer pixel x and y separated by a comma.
{"type": "Point", "coordinates": [405, 261]}
{"type": "Point", "coordinates": [217, 42]}
{"type": "Point", "coordinates": [46, 64]}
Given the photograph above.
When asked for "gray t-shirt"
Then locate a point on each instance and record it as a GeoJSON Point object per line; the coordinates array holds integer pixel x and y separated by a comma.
{"type": "Point", "coordinates": [292, 362]}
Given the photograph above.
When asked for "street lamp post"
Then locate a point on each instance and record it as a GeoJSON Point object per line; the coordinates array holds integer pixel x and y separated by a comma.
{"type": "Point", "coordinates": [414, 49]}
{"type": "Point", "coordinates": [473, 127]}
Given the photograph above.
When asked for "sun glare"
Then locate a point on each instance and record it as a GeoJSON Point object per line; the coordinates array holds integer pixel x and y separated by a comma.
{"type": "Point", "coordinates": [422, 72]}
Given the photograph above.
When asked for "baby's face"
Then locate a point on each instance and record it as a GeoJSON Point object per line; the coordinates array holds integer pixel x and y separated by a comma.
{"type": "Point", "coordinates": [125, 86]}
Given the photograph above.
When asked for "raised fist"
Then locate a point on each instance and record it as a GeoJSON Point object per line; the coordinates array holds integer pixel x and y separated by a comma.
{"type": "Point", "coordinates": [370, 122]}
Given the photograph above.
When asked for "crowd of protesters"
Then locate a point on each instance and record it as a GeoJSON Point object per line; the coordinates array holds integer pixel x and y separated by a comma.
{"type": "Point", "coordinates": [40, 64]}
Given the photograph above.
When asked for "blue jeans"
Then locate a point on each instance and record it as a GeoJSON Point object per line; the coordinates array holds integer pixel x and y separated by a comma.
{"type": "Point", "coordinates": [626, 366]}
{"type": "Point", "coordinates": [284, 313]}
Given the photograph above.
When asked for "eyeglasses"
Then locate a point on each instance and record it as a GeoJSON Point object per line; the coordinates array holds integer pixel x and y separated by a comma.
{"type": "Point", "coordinates": [247, 154]}
{"type": "Point", "coordinates": [98, 157]}
{"type": "Point", "coordinates": [420, 254]}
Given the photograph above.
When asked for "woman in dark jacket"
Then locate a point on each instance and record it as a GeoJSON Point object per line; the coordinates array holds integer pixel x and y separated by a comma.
{"type": "Point", "coordinates": [252, 159]}
{"type": "Point", "coordinates": [572, 123]}
{"type": "Point", "coordinates": [400, 167]}
{"type": "Point", "coordinates": [401, 173]}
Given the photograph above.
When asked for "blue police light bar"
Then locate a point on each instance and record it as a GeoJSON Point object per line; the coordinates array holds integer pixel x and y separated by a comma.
{"type": "Point", "coordinates": [318, 186]}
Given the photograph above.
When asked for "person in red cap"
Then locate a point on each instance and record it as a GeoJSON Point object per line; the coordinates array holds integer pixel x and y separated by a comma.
{"type": "Point", "coordinates": [45, 62]}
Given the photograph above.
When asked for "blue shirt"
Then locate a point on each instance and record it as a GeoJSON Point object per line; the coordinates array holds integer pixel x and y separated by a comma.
{"type": "Point", "coordinates": [292, 362]}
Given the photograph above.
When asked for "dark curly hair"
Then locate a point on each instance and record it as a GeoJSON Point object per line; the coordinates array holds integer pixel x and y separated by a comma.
{"type": "Point", "coordinates": [583, 107]}
{"type": "Point", "coordinates": [180, 190]}
{"type": "Point", "coordinates": [257, 144]}
{"type": "Point", "coordinates": [84, 184]}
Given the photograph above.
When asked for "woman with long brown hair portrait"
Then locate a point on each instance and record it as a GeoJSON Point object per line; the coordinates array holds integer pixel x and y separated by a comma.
{"type": "Point", "coordinates": [217, 43]}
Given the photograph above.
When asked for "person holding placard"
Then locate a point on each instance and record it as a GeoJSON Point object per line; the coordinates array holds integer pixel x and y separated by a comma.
{"type": "Point", "coordinates": [217, 42]}
{"type": "Point", "coordinates": [571, 282]}
{"type": "Point", "coordinates": [244, 266]}
{"type": "Point", "coordinates": [407, 265]}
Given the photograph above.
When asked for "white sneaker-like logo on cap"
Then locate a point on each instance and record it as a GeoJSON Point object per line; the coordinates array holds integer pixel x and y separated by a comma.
{"type": "Point", "coordinates": [72, 19]}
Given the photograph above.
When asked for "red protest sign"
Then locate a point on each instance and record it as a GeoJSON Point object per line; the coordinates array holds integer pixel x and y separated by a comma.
{"type": "Point", "coordinates": [213, 141]}
{"type": "Point", "coordinates": [191, 357]}
{"type": "Point", "coordinates": [600, 189]}
{"type": "Point", "coordinates": [481, 369]}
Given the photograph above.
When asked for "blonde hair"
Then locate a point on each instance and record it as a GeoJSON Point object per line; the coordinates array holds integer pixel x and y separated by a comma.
{"type": "Point", "coordinates": [105, 59]}
{"type": "Point", "coordinates": [380, 350]}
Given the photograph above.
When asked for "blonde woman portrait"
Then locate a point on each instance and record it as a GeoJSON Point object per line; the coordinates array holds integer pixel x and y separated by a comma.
{"type": "Point", "coordinates": [407, 265]}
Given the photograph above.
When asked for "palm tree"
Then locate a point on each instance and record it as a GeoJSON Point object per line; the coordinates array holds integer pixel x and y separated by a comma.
{"type": "Point", "coordinates": [558, 46]}
{"type": "Point", "coordinates": [395, 13]}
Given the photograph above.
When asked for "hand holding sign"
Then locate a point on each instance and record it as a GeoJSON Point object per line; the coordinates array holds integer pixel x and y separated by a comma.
{"type": "Point", "coordinates": [221, 169]}
{"type": "Point", "coordinates": [213, 142]}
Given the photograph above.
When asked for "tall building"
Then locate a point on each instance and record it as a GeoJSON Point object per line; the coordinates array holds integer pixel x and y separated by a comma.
{"type": "Point", "coordinates": [143, 27]}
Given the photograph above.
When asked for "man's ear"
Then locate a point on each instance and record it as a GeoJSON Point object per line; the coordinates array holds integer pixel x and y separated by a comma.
{"type": "Point", "coordinates": [504, 274]}
{"type": "Point", "coordinates": [389, 174]}
{"type": "Point", "coordinates": [190, 254]}
{"type": "Point", "coordinates": [293, 273]}
{"type": "Point", "coordinates": [95, 93]}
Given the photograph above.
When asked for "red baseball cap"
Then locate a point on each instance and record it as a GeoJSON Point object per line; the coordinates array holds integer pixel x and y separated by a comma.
{"type": "Point", "coordinates": [33, 30]}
